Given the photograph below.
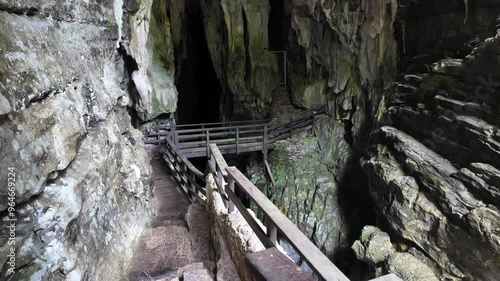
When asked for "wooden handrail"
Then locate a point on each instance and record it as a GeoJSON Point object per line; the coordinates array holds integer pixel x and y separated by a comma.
{"type": "Point", "coordinates": [222, 124]}
{"type": "Point", "coordinates": [241, 136]}
{"type": "Point", "coordinates": [227, 178]}
{"type": "Point", "coordinates": [321, 265]}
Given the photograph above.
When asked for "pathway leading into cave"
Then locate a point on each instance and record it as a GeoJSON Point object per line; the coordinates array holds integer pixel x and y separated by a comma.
{"type": "Point", "coordinates": [176, 246]}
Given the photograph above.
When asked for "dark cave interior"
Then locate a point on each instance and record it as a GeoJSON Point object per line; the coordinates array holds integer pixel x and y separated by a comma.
{"type": "Point", "coordinates": [197, 83]}
{"type": "Point", "coordinates": [275, 32]}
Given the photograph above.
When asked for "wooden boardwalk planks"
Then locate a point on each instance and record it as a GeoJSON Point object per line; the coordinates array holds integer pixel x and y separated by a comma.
{"type": "Point", "coordinates": [169, 199]}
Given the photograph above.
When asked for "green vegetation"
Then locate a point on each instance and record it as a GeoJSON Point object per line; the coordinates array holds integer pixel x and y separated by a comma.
{"type": "Point", "coordinates": [432, 83]}
{"type": "Point", "coordinates": [159, 32]}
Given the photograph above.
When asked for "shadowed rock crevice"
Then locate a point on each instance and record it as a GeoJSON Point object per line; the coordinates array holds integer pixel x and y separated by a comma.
{"type": "Point", "coordinates": [196, 79]}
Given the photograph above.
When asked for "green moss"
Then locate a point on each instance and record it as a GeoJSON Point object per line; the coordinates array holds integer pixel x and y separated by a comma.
{"type": "Point", "coordinates": [31, 270]}
{"type": "Point", "coordinates": [160, 37]}
{"type": "Point", "coordinates": [159, 107]}
{"type": "Point", "coordinates": [430, 85]}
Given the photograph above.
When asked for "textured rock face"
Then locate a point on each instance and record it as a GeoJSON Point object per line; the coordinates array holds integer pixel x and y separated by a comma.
{"type": "Point", "coordinates": [432, 158]}
{"type": "Point", "coordinates": [376, 249]}
{"type": "Point", "coordinates": [237, 37]}
{"type": "Point", "coordinates": [68, 74]}
{"type": "Point", "coordinates": [338, 50]}
{"type": "Point", "coordinates": [306, 189]}
{"type": "Point", "coordinates": [434, 171]}
{"type": "Point", "coordinates": [341, 53]}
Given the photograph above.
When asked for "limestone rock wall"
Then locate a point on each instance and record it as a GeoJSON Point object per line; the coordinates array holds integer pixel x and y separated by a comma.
{"type": "Point", "coordinates": [433, 169]}
{"type": "Point", "coordinates": [231, 237]}
{"type": "Point", "coordinates": [306, 188]}
{"type": "Point", "coordinates": [342, 52]}
{"type": "Point", "coordinates": [428, 143]}
{"type": "Point", "coordinates": [237, 37]}
{"type": "Point", "coordinates": [74, 76]}
{"type": "Point", "coordinates": [430, 30]}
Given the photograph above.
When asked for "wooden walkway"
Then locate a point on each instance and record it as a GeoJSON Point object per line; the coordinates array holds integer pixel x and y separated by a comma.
{"type": "Point", "coordinates": [176, 242]}
{"type": "Point", "coordinates": [174, 170]}
{"type": "Point", "coordinates": [171, 203]}
{"type": "Point", "coordinates": [193, 140]}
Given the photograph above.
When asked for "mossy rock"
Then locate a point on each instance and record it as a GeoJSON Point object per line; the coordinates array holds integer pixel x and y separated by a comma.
{"type": "Point", "coordinates": [431, 84]}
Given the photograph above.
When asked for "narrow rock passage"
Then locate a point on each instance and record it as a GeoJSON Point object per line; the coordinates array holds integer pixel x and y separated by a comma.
{"type": "Point", "coordinates": [176, 246]}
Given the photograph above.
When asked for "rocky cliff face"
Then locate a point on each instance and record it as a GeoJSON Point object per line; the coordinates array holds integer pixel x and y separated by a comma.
{"type": "Point", "coordinates": [343, 54]}
{"type": "Point", "coordinates": [434, 170]}
{"type": "Point", "coordinates": [428, 145]}
{"type": "Point", "coordinates": [237, 37]}
{"type": "Point", "coordinates": [433, 163]}
{"type": "Point", "coordinates": [73, 78]}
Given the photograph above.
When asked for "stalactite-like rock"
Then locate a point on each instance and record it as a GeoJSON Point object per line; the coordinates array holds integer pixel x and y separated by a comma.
{"type": "Point", "coordinates": [237, 37]}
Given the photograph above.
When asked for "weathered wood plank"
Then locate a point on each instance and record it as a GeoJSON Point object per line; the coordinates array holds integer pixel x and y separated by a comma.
{"type": "Point", "coordinates": [219, 159]}
{"type": "Point", "coordinates": [229, 140]}
{"type": "Point", "coordinates": [273, 265]}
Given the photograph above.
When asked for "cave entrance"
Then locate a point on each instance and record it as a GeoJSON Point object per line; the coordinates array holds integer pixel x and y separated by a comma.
{"type": "Point", "coordinates": [197, 83]}
{"type": "Point", "coordinates": [275, 26]}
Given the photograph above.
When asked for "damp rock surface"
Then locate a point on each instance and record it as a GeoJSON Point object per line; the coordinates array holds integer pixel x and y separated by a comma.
{"type": "Point", "coordinates": [433, 168]}
{"type": "Point", "coordinates": [67, 104]}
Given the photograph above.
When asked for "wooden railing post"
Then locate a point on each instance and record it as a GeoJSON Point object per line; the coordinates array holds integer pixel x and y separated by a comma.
{"type": "Point", "coordinates": [272, 232]}
{"type": "Point", "coordinates": [193, 186]}
{"type": "Point", "coordinates": [230, 207]}
{"type": "Point", "coordinates": [291, 126]}
{"type": "Point", "coordinates": [264, 143]}
{"type": "Point", "coordinates": [212, 162]}
{"type": "Point", "coordinates": [176, 139]}
{"type": "Point", "coordinates": [237, 140]}
{"type": "Point", "coordinates": [208, 142]}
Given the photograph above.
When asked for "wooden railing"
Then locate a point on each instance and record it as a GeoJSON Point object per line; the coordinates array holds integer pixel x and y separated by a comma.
{"type": "Point", "coordinates": [227, 178]}
{"type": "Point", "coordinates": [207, 137]}
{"type": "Point", "coordinates": [191, 180]}
{"type": "Point", "coordinates": [231, 138]}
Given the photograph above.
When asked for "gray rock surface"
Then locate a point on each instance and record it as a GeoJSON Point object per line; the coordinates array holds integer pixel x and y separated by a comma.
{"type": "Point", "coordinates": [237, 38]}
{"type": "Point", "coordinates": [429, 143]}
{"type": "Point", "coordinates": [374, 247]}
{"type": "Point", "coordinates": [306, 188]}
{"type": "Point", "coordinates": [82, 175]}
{"type": "Point", "coordinates": [434, 172]}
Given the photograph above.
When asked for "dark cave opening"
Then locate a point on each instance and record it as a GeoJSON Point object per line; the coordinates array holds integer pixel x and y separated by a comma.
{"type": "Point", "coordinates": [275, 26]}
{"type": "Point", "coordinates": [199, 88]}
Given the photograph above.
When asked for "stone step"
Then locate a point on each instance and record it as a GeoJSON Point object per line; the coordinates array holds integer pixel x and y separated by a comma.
{"type": "Point", "coordinates": [163, 248]}
{"type": "Point", "coordinates": [190, 272]}
{"type": "Point", "coordinates": [197, 275]}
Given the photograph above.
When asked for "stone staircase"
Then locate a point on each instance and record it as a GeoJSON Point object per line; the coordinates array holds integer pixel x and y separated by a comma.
{"type": "Point", "coordinates": [174, 248]}
{"type": "Point", "coordinates": [284, 109]}
{"type": "Point", "coordinates": [176, 245]}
